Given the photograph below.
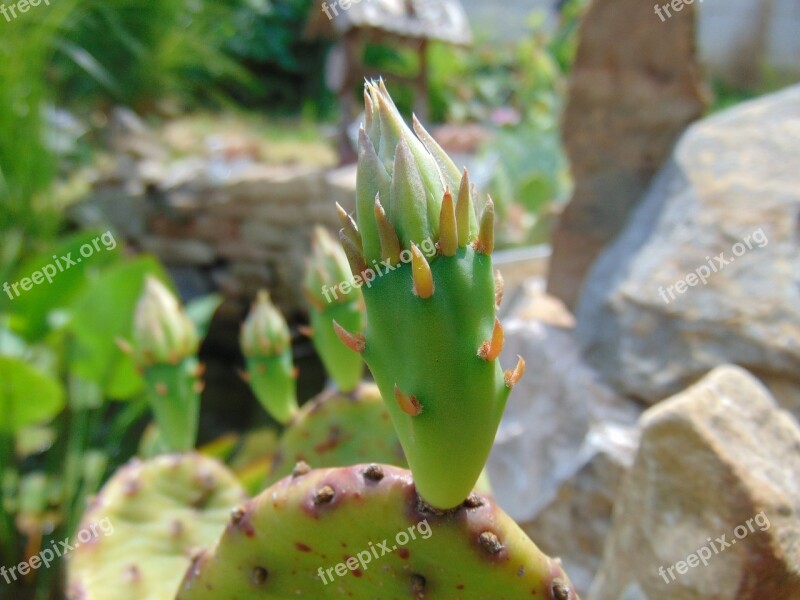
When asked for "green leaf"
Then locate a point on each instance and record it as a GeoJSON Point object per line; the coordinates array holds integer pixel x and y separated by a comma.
{"type": "Point", "coordinates": [102, 314]}
{"type": "Point", "coordinates": [32, 308]}
{"type": "Point", "coordinates": [27, 396]}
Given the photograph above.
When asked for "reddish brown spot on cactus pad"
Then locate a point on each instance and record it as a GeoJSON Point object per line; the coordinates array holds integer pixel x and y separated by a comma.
{"type": "Point", "coordinates": [403, 553]}
{"type": "Point", "coordinates": [300, 469]}
{"type": "Point", "coordinates": [561, 591]}
{"type": "Point", "coordinates": [373, 473]}
{"type": "Point", "coordinates": [490, 542]}
{"type": "Point", "coordinates": [259, 575]}
{"type": "Point", "coordinates": [324, 495]}
{"type": "Point", "coordinates": [302, 547]}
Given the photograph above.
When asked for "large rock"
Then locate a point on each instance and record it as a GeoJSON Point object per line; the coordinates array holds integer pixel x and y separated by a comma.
{"type": "Point", "coordinates": [730, 194]}
{"type": "Point", "coordinates": [719, 460]}
{"type": "Point", "coordinates": [634, 88]}
{"type": "Point", "coordinates": [563, 445]}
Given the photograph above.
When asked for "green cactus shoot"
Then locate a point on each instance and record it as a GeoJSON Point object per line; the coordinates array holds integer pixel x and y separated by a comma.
{"type": "Point", "coordinates": [164, 347]}
{"type": "Point", "coordinates": [331, 299]}
{"type": "Point", "coordinates": [432, 340]}
{"type": "Point", "coordinates": [266, 344]}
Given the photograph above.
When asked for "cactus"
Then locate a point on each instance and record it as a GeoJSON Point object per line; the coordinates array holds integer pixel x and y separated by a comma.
{"type": "Point", "coordinates": [287, 542]}
{"type": "Point", "coordinates": [432, 337]}
{"type": "Point", "coordinates": [266, 345]}
{"type": "Point", "coordinates": [148, 521]}
{"type": "Point", "coordinates": [337, 430]}
{"type": "Point", "coordinates": [331, 297]}
{"type": "Point", "coordinates": [164, 348]}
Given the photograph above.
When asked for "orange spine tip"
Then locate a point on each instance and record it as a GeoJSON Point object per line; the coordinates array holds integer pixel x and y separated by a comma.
{"type": "Point", "coordinates": [354, 256]}
{"type": "Point", "coordinates": [243, 375]}
{"type": "Point", "coordinates": [485, 242]}
{"type": "Point", "coordinates": [463, 206]}
{"type": "Point", "coordinates": [513, 377]}
{"type": "Point", "coordinates": [350, 228]}
{"type": "Point", "coordinates": [490, 350]}
{"type": "Point", "coordinates": [390, 243]}
{"type": "Point", "coordinates": [355, 341]}
{"type": "Point", "coordinates": [421, 273]}
{"type": "Point", "coordinates": [305, 330]}
{"type": "Point", "coordinates": [448, 230]}
{"type": "Point", "coordinates": [408, 404]}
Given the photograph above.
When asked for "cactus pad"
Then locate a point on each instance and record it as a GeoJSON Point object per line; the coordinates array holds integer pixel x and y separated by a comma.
{"type": "Point", "coordinates": [158, 514]}
{"type": "Point", "coordinates": [338, 430]}
{"type": "Point", "coordinates": [287, 543]}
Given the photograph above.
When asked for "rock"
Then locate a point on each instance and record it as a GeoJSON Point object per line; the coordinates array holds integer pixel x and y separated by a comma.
{"type": "Point", "coordinates": [562, 446]}
{"type": "Point", "coordinates": [718, 460]}
{"type": "Point", "coordinates": [634, 87]}
{"type": "Point", "coordinates": [179, 252]}
{"type": "Point", "coordinates": [576, 523]}
{"type": "Point", "coordinates": [646, 320]}
{"type": "Point", "coordinates": [530, 302]}
{"type": "Point", "coordinates": [277, 184]}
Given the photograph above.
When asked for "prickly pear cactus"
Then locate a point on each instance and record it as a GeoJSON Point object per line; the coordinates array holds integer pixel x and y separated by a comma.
{"type": "Point", "coordinates": [432, 337]}
{"type": "Point", "coordinates": [164, 347]}
{"type": "Point", "coordinates": [266, 345]}
{"type": "Point", "coordinates": [362, 532]}
{"type": "Point", "coordinates": [149, 520]}
{"type": "Point", "coordinates": [331, 298]}
{"type": "Point", "coordinates": [338, 430]}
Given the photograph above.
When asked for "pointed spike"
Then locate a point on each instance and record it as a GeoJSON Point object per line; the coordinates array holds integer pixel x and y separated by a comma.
{"type": "Point", "coordinates": [409, 211]}
{"type": "Point", "coordinates": [499, 287]}
{"type": "Point", "coordinates": [490, 350]}
{"type": "Point", "coordinates": [305, 331]}
{"type": "Point", "coordinates": [421, 273]}
{"type": "Point", "coordinates": [357, 263]}
{"type": "Point", "coordinates": [408, 404]}
{"type": "Point", "coordinates": [485, 242]}
{"type": "Point", "coordinates": [390, 243]}
{"type": "Point", "coordinates": [463, 208]}
{"type": "Point", "coordinates": [355, 341]}
{"type": "Point", "coordinates": [448, 230]}
{"type": "Point", "coordinates": [350, 227]}
{"type": "Point", "coordinates": [512, 377]}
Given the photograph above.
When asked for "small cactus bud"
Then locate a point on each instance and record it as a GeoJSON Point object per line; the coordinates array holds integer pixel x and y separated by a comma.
{"type": "Point", "coordinates": [162, 333]}
{"type": "Point", "coordinates": [264, 332]}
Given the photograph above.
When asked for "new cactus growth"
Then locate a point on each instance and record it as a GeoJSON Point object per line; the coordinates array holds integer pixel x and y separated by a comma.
{"type": "Point", "coordinates": [147, 523]}
{"type": "Point", "coordinates": [331, 298]}
{"type": "Point", "coordinates": [337, 430]}
{"type": "Point", "coordinates": [361, 532]}
{"type": "Point", "coordinates": [266, 345]}
{"type": "Point", "coordinates": [164, 347]}
{"type": "Point", "coordinates": [432, 337]}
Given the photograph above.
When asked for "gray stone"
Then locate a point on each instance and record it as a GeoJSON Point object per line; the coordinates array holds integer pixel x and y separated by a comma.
{"type": "Point", "coordinates": [719, 459]}
{"type": "Point", "coordinates": [564, 443]}
{"type": "Point", "coordinates": [179, 252]}
{"type": "Point", "coordinates": [633, 89]}
{"type": "Point", "coordinates": [732, 187]}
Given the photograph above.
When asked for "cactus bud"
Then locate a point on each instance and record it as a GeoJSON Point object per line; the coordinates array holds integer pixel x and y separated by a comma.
{"type": "Point", "coordinates": [266, 344]}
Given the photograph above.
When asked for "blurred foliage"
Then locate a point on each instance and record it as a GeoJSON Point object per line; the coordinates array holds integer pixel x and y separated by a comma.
{"type": "Point", "coordinates": [269, 39]}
